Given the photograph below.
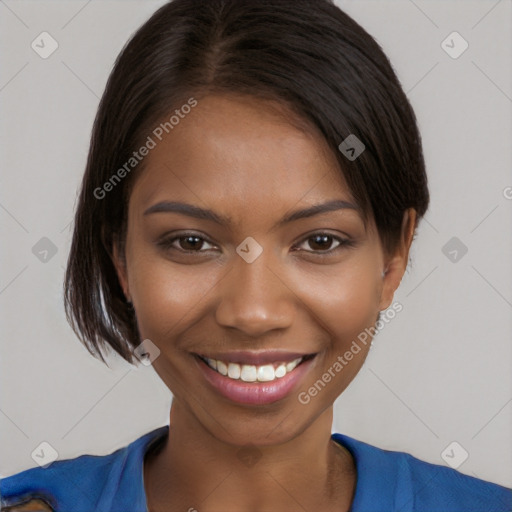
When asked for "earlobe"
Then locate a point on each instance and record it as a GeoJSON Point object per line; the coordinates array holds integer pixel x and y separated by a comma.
{"type": "Point", "coordinates": [395, 268]}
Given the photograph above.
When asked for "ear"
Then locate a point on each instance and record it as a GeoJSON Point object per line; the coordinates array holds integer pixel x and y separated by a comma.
{"type": "Point", "coordinates": [396, 264]}
{"type": "Point", "coordinates": [120, 265]}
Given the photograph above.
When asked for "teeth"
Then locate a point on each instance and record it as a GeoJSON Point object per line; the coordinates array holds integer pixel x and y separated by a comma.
{"type": "Point", "coordinates": [266, 373]}
{"type": "Point", "coordinates": [291, 365]}
{"type": "Point", "coordinates": [234, 371]}
{"type": "Point", "coordinates": [281, 369]}
{"type": "Point", "coordinates": [249, 373]}
{"type": "Point", "coordinates": [253, 373]}
{"type": "Point", "coordinates": [222, 368]}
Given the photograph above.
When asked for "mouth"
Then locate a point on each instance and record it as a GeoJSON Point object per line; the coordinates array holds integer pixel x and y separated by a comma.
{"type": "Point", "coordinates": [254, 378]}
{"type": "Point", "coordinates": [247, 372]}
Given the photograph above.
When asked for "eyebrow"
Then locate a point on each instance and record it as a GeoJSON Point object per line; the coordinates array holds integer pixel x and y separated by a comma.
{"type": "Point", "coordinates": [206, 214]}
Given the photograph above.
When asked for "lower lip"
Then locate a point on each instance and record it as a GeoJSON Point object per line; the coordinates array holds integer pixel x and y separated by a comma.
{"type": "Point", "coordinates": [254, 393]}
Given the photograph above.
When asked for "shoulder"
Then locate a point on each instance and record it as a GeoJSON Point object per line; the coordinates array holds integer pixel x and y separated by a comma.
{"type": "Point", "coordinates": [77, 484]}
{"type": "Point", "coordinates": [391, 480]}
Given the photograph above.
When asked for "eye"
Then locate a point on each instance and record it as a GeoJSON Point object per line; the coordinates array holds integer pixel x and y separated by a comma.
{"type": "Point", "coordinates": [321, 243]}
{"type": "Point", "coordinates": [186, 242]}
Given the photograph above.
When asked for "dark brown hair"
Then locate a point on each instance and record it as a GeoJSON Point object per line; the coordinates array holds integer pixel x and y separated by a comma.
{"type": "Point", "coordinates": [307, 55]}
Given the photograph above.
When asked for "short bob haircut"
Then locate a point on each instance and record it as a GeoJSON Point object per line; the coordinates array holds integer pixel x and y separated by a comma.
{"type": "Point", "coordinates": [306, 55]}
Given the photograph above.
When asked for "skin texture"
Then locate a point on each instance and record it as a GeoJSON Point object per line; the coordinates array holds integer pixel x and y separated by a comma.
{"type": "Point", "coordinates": [243, 159]}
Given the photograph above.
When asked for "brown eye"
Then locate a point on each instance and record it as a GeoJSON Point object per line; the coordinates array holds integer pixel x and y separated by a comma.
{"type": "Point", "coordinates": [322, 243]}
{"type": "Point", "coordinates": [187, 242]}
{"type": "Point", "coordinates": [190, 243]}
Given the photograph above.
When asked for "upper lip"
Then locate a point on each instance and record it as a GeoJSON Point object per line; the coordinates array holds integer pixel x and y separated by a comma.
{"type": "Point", "coordinates": [256, 357]}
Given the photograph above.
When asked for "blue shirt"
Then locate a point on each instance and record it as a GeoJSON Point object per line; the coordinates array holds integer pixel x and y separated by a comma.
{"type": "Point", "coordinates": [387, 481]}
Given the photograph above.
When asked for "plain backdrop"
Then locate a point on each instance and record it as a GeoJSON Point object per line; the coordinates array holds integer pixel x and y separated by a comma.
{"type": "Point", "coordinates": [439, 372]}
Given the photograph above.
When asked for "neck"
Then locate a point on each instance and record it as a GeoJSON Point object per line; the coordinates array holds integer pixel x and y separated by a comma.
{"type": "Point", "coordinates": [195, 470]}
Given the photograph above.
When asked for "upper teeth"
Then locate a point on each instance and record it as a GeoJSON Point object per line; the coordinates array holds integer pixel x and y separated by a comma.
{"type": "Point", "coordinates": [253, 373]}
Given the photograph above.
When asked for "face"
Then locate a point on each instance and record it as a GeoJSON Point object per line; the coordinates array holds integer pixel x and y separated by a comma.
{"type": "Point", "coordinates": [249, 285]}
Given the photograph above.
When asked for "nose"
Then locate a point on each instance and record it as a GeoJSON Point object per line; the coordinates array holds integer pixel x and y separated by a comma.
{"type": "Point", "coordinates": [255, 298]}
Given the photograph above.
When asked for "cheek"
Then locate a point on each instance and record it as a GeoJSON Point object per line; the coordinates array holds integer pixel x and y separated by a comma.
{"type": "Point", "coordinates": [345, 299]}
{"type": "Point", "coordinates": [167, 295]}
{"type": "Point", "coordinates": [345, 303]}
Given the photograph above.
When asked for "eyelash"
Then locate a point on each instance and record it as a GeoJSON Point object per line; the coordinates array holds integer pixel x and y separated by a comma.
{"type": "Point", "coordinates": [342, 242]}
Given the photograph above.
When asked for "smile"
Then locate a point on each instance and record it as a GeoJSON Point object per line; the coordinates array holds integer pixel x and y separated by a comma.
{"type": "Point", "coordinates": [246, 380]}
{"type": "Point", "coordinates": [253, 373]}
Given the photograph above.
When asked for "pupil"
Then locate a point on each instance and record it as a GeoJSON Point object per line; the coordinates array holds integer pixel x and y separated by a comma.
{"type": "Point", "coordinates": [195, 241]}
{"type": "Point", "coordinates": [322, 239]}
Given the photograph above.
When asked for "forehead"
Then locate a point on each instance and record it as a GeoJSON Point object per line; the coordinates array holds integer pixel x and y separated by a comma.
{"type": "Point", "coordinates": [240, 151]}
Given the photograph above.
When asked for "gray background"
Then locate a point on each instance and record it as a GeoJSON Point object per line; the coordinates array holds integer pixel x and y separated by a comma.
{"type": "Point", "coordinates": [439, 372]}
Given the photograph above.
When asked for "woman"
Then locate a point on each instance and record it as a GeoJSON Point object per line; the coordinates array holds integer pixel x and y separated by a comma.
{"type": "Point", "coordinates": [253, 187]}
